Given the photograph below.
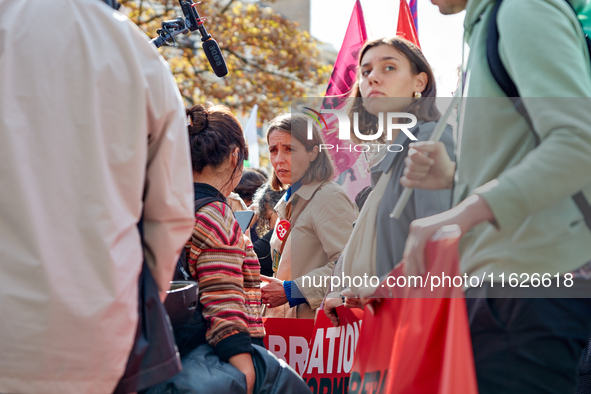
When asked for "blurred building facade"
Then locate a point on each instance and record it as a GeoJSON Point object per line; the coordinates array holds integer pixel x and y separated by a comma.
{"type": "Point", "coordinates": [295, 10]}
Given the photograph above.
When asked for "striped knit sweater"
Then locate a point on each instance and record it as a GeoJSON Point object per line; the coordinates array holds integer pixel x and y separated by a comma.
{"type": "Point", "coordinates": [227, 269]}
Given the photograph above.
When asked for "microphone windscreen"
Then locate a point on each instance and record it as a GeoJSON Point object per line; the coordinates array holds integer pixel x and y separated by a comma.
{"type": "Point", "coordinates": [215, 58]}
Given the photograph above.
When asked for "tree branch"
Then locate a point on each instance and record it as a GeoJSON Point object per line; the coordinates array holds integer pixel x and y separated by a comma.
{"type": "Point", "coordinates": [190, 59]}
{"type": "Point", "coordinates": [227, 6]}
{"type": "Point", "coordinates": [167, 9]}
{"type": "Point", "coordinates": [154, 17]}
{"type": "Point", "coordinates": [261, 68]}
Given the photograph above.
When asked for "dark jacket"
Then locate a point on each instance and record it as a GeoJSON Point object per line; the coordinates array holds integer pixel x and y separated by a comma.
{"type": "Point", "coordinates": [262, 248]}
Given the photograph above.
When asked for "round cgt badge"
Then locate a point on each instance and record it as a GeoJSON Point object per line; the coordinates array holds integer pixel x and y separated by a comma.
{"type": "Point", "coordinates": [283, 229]}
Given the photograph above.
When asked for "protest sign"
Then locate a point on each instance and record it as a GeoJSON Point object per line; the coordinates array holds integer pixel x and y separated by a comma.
{"type": "Point", "coordinates": [288, 340]}
{"type": "Point", "coordinates": [321, 353]}
{"type": "Point", "coordinates": [332, 350]}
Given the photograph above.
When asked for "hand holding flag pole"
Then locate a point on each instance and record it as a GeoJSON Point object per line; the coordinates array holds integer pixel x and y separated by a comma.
{"type": "Point", "coordinates": [435, 136]}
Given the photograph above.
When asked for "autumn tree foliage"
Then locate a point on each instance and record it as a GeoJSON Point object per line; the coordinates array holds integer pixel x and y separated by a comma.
{"type": "Point", "coordinates": [270, 60]}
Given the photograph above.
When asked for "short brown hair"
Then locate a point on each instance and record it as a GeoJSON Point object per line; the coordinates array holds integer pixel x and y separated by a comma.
{"type": "Point", "coordinates": [296, 125]}
{"type": "Point", "coordinates": [424, 108]}
{"type": "Point", "coordinates": [249, 183]}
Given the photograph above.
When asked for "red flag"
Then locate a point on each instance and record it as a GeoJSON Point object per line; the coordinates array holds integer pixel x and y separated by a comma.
{"type": "Point", "coordinates": [418, 345]}
{"type": "Point", "coordinates": [406, 27]}
{"type": "Point", "coordinates": [341, 81]}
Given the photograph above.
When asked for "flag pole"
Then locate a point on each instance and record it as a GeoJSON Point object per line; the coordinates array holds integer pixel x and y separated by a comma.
{"type": "Point", "coordinates": [435, 136]}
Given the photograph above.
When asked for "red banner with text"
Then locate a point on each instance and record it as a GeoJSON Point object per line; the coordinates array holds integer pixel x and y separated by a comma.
{"type": "Point", "coordinates": [288, 340]}
{"type": "Point", "coordinates": [321, 353]}
{"type": "Point", "coordinates": [332, 350]}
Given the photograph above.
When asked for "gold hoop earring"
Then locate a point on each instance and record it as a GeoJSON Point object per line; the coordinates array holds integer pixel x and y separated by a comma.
{"type": "Point", "coordinates": [418, 95]}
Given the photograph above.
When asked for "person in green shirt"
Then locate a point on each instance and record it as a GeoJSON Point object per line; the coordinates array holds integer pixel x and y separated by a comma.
{"type": "Point", "coordinates": [512, 189]}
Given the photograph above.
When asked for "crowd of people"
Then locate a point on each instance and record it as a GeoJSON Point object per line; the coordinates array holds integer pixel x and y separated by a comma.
{"type": "Point", "coordinates": [91, 192]}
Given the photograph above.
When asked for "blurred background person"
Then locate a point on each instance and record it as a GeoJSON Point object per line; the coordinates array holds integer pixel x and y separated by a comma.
{"type": "Point", "coordinates": [264, 201]}
{"type": "Point", "coordinates": [250, 182]}
{"type": "Point", "coordinates": [93, 136]}
{"type": "Point", "coordinates": [263, 171]}
{"type": "Point", "coordinates": [315, 218]}
{"type": "Point", "coordinates": [236, 202]}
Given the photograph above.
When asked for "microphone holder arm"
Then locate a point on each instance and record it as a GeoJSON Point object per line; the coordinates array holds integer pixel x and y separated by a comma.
{"type": "Point", "coordinates": [180, 25]}
{"type": "Point", "coordinates": [170, 29]}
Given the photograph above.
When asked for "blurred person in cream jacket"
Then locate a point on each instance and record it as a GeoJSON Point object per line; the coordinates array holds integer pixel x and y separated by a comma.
{"type": "Point", "coordinates": [92, 137]}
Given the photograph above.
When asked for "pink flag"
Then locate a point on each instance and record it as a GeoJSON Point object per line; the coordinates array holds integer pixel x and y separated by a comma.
{"type": "Point", "coordinates": [406, 27]}
{"type": "Point", "coordinates": [341, 81]}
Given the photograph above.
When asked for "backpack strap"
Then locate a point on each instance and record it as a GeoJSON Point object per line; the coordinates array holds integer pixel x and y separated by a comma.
{"type": "Point", "coordinates": [502, 78]}
{"type": "Point", "coordinates": [206, 200]}
{"type": "Point", "coordinates": [583, 205]}
{"type": "Point", "coordinates": [499, 72]}
{"type": "Point", "coordinates": [493, 57]}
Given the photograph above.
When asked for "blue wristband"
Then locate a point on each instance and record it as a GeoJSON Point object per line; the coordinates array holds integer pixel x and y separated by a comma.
{"type": "Point", "coordinates": [293, 293]}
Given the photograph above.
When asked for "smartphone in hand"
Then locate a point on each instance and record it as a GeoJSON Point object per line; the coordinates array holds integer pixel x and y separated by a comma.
{"type": "Point", "coordinates": [244, 218]}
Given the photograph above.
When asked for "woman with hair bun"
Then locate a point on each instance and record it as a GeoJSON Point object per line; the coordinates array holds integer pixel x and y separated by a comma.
{"type": "Point", "coordinates": [223, 340]}
{"type": "Point", "coordinates": [220, 257]}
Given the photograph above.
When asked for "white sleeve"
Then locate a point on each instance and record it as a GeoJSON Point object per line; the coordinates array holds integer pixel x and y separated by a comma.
{"type": "Point", "coordinates": [168, 200]}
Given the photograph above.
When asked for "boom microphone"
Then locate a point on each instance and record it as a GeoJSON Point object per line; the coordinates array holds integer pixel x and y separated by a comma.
{"type": "Point", "coordinates": [209, 45]}
{"type": "Point", "coordinates": [192, 22]}
{"type": "Point", "coordinates": [215, 58]}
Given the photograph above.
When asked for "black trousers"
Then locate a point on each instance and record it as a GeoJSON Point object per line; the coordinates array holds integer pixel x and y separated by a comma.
{"type": "Point", "coordinates": [584, 384]}
{"type": "Point", "coordinates": [526, 345]}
